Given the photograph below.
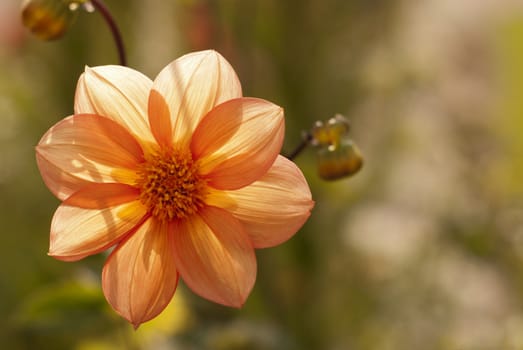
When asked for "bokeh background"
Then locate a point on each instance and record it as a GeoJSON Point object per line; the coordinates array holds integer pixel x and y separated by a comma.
{"type": "Point", "coordinates": [423, 249]}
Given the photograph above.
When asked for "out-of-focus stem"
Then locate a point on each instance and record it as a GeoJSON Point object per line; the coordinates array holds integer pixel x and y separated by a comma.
{"type": "Point", "coordinates": [307, 138]}
{"type": "Point", "coordinates": [104, 11]}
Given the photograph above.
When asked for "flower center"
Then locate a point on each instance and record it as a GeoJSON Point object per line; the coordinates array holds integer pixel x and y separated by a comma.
{"type": "Point", "coordinates": [170, 185]}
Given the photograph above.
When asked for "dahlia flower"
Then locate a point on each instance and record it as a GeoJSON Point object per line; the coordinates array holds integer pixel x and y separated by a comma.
{"type": "Point", "coordinates": [181, 175]}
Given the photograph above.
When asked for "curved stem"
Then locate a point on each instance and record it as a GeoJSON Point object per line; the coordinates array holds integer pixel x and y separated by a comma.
{"type": "Point", "coordinates": [307, 138]}
{"type": "Point", "coordinates": [104, 11]}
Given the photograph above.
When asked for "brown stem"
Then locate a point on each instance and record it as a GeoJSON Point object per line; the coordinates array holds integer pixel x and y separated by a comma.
{"type": "Point", "coordinates": [104, 11]}
{"type": "Point", "coordinates": [307, 138]}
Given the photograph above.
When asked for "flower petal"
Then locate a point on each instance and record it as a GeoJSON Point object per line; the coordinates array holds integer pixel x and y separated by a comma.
{"type": "Point", "coordinates": [77, 232]}
{"type": "Point", "coordinates": [273, 208]}
{"type": "Point", "coordinates": [139, 278]}
{"type": "Point", "coordinates": [192, 85]}
{"type": "Point", "coordinates": [116, 92]}
{"type": "Point", "coordinates": [85, 147]}
{"type": "Point", "coordinates": [238, 141]}
{"type": "Point", "coordinates": [99, 196]}
{"type": "Point", "coordinates": [160, 119]}
{"type": "Point", "coordinates": [60, 183]}
{"type": "Point", "coordinates": [215, 257]}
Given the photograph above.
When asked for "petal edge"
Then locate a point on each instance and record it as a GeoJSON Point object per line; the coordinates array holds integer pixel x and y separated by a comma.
{"type": "Point", "coordinates": [139, 277]}
{"type": "Point", "coordinates": [273, 208]}
{"type": "Point", "coordinates": [238, 141]}
{"type": "Point", "coordinates": [77, 232]}
{"type": "Point", "coordinates": [214, 256]}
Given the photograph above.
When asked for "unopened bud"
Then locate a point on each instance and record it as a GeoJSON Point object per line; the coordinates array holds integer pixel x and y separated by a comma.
{"type": "Point", "coordinates": [330, 133]}
{"type": "Point", "coordinates": [336, 162]}
{"type": "Point", "coordinates": [49, 19]}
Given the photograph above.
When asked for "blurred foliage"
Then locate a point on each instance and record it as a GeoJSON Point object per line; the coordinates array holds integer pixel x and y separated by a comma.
{"type": "Point", "coordinates": [61, 315]}
{"type": "Point", "coordinates": [423, 249]}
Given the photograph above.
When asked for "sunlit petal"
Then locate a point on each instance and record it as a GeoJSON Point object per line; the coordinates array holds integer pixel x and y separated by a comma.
{"type": "Point", "coordinates": [86, 147]}
{"type": "Point", "coordinates": [215, 257]}
{"type": "Point", "coordinates": [99, 196]}
{"type": "Point", "coordinates": [273, 208]}
{"type": "Point", "coordinates": [60, 183]}
{"type": "Point", "coordinates": [140, 277]}
{"type": "Point", "coordinates": [192, 85]}
{"type": "Point", "coordinates": [160, 119]}
{"type": "Point", "coordinates": [238, 141]}
{"type": "Point", "coordinates": [116, 92]}
{"type": "Point", "coordinates": [77, 232]}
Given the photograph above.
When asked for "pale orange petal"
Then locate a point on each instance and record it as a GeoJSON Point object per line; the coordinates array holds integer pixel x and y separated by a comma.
{"type": "Point", "coordinates": [192, 85]}
{"type": "Point", "coordinates": [60, 183]}
{"type": "Point", "coordinates": [77, 232]}
{"type": "Point", "coordinates": [238, 141]}
{"type": "Point", "coordinates": [85, 147]}
{"type": "Point", "coordinates": [116, 92]}
{"type": "Point", "coordinates": [215, 257]}
{"type": "Point", "coordinates": [273, 208]}
{"type": "Point", "coordinates": [99, 196]}
{"type": "Point", "coordinates": [160, 119]}
{"type": "Point", "coordinates": [140, 277]}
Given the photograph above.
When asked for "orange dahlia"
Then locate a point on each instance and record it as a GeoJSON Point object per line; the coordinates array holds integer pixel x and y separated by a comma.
{"type": "Point", "coordinates": [182, 175]}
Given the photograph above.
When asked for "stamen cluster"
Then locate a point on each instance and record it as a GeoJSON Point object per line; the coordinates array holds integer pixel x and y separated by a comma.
{"type": "Point", "coordinates": [170, 185]}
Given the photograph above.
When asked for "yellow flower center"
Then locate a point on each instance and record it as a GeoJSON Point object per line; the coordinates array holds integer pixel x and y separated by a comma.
{"type": "Point", "coordinates": [170, 185]}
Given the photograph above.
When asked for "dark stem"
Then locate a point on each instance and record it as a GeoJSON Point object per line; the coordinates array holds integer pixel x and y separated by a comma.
{"type": "Point", "coordinates": [307, 138]}
{"type": "Point", "coordinates": [99, 5]}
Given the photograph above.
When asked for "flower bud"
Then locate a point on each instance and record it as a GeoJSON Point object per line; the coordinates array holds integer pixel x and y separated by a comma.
{"type": "Point", "coordinates": [335, 162]}
{"type": "Point", "coordinates": [330, 133]}
{"type": "Point", "coordinates": [49, 19]}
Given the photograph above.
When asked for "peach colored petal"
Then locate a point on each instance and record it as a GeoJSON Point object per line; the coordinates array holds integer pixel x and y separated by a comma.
{"type": "Point", "coordinates": [192, 85]}
{"type": "Point", "coordinates": [77, 232]}
{"type": "Point", "coordinates": [116, 92]}
{"type": "Point", "coordinates": [273, 208]}
{"type": "Point", "coordinates": [237, 142]}
{"type": "Point", "coordinates": [215, 257]}
{"type": "Point", "coordinates": [99, 196]}
{"type": "Point", "coordinates": [160, 119]}
{"type": "Point", "coordinates": [86, 147]}
{"type": "Point", "coordinates": [140, 278]}
{"type": "Point", "coordinates": [60, 183]}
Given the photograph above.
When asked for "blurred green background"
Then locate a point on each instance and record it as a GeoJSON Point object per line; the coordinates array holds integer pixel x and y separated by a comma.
{"type": "Point", "coordinates": [423, 249]}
